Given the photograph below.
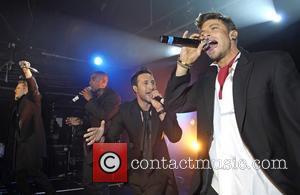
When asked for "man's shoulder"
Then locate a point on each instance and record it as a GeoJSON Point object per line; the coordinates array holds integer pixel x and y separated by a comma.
{"type": "Point", "coordinates": [268, 59]}
{"type": "Point", "coordinates": [269, 54]}
{"type": "Point", "coordinates": [127, 108]}
{"type": "Point", "coordinates": [111, 94]}
{"type": "Point", "coordinates": [127, 104]}
{"type": "Point", "coordinates": [110, 91]}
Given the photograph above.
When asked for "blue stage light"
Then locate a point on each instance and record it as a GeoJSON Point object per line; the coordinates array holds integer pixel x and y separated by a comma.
{"type": "Point", "coordinates": [98, 60]}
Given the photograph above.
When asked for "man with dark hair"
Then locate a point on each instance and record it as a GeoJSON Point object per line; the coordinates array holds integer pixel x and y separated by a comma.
{"type": "Point", "coordinates": [102, 104]}
{"type": "Point", "coordinates": [247, 105]}
{"type": "Point", "coordinates": [146, 123]}
{"type": "Point", "coordinates": [202, 18]}
{"type": "Point", "coordinates": [26, 145]}
{"type": "Point", "coordinates": [134, 77]}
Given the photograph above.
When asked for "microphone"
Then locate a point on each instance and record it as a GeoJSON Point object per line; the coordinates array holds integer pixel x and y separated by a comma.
{"type": "Point", "coordinates": [26, 64]}
{"type": "Point", "coordinates": [159, 99]}
{"type": "Point", "coordinates": [33, 70]}
{"type": "Point", "coordinates": [184, 42]}
{"type": "Point", "coordinates": [76, 98]}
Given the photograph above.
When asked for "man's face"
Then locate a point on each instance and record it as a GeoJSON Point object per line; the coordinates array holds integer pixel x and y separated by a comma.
{"type": "Point", "coordinates": [145, 86]}
{"type": "Point", "coordinates": [217, 33]}
{"type": "Point", "coordinates": [21, 89]}
{"type": "Point", "coordinates": [95, 81]}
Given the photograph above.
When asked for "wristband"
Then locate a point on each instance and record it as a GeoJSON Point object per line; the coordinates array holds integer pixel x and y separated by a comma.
{"type": "Point", "coordinates": [183, 65]}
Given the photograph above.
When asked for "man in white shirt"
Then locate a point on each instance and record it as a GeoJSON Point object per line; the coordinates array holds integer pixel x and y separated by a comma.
{"type": "Point", "coordinates": [247, 107]}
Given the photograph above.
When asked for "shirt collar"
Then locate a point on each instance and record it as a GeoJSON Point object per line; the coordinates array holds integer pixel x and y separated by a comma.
{"type": "Point", "coordinates": [233, 65]}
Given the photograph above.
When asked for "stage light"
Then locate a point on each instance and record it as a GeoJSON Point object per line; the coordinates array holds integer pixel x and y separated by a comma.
{"type": "Point", "coordinates": [273, 16]}
{"type": "Point", "coordinates": [195, 146]}
{"type": "Point", "coordinates": [192, 122]}
{"type": "Point", "coordinates": [173, 50]}
{"type": "Point", "coordinates": [98, 60]}
{"type": "Point", "coordinates": [277, 18]}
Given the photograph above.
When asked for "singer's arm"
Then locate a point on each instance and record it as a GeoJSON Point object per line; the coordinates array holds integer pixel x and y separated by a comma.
{"type": "Point", "coordinates": [182, 97]}
{"type": "Point", "coordinates": [106, 134]}
{"type": "Point", "coordinates": [188, 55]}
{"type": "Point", "coordinates": [286, 96]}
{"type": "Point", "coordinates": [171, 128]}
{"type": "Point", "coordinates": [33, 89]}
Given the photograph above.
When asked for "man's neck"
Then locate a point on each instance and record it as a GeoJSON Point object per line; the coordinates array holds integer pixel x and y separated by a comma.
{"type": "Point", "coordinates": [225, 60]}
{"type": "Point", "coordinates": [99, 92]}
{"type": "Point", "coordinates": [145, 106]}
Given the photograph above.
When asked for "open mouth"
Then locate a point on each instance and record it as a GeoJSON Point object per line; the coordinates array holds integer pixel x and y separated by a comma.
{"type": "Point", "coordinates": [149, 94]}
{"type": "Point", "coordinates": [210, 45]}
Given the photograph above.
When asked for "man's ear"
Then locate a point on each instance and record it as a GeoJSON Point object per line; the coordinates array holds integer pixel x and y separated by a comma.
{"type": "Point", "coordinates": [25, 89]}
{"type": "Point", "coordinates": [233, 34]}
{"type": "Point", "coordinates": [134, 88]}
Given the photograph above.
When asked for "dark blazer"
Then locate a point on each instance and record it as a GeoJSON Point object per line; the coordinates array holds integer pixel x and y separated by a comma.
{"type": "Point", "coordinates": [266, 94]}
{"type": "Point", "coordinates": [129, 120]}
{"type": "Point", "coordinates": [27, 142]}
{"type": "Point", "coordinates": [103, 107]}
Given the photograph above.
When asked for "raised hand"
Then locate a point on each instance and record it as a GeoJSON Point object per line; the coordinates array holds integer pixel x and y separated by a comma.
{"type": "Point", "coordinates": [25, 65]}
{"type": "Point", "coordinates": [95, 134]}
{"type": "Point", "coordinates": [189, 55]}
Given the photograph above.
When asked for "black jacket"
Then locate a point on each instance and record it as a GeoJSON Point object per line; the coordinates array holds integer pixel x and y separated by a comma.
{"type": "Point", "coordinates": [26, 142]}
{"type": "Point", "coordinates": [129, 120]}
{"type": "Point", "coordinates": [266, 94]}
{"type": "Point", "coordinates": [103, 107]}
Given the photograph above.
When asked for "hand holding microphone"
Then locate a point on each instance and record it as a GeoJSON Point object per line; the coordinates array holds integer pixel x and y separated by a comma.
{"type": "Point", "coordinates": [157, 102]}
{"type": "Point", "coordinates": [191, 50]}
{"type": "Point", "coordinates": [191, 47]}
{"type": "Point", "coordinates": [157, 96]}
{"type": "Point", "coordinates": [189, 55]}
{"type": "Point", "coordinates": [86, 93]}
{"type": "Point", "coordinates": [25, 67]}
{"type": "Point", "coordinates": [25, 64]}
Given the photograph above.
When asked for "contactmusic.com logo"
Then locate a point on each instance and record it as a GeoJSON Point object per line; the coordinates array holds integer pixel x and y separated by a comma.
{"type": "Point", "coordinates": [110, 162]}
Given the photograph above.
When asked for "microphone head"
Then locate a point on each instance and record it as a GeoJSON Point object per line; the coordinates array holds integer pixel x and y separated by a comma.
{"type": "Point", "coordinates": [158, 98]}
{"type": "Point", "coordinates": [34, 70]}
{"type": "Point", "coordinates": [163, 39]}
{"type": "Point", "coordinates": [24, 64]}
{"type": "Point", "coordinates": [75, 98]}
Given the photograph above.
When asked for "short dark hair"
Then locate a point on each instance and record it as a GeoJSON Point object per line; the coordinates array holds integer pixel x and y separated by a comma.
{"type": "Point", "coordinates": [134, 77]}
{"type": "Point", "coordinates": [23, 81]}
{"type": "Point", "coordinates": [227, 21]}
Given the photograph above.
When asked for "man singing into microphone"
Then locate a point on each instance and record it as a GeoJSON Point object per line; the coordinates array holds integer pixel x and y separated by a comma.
{"type": "Point", "coordinates": [26, 142]}
{"type": "Point", "coordinates": [247, 111]}
{"type": "Point", "coordinates": [102, 103]}
{"type": "Point", "coordinates": [147, 124]}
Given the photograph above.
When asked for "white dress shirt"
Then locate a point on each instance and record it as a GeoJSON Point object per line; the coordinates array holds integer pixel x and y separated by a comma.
{"type": "Point", "coordinates": [234, 171]}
